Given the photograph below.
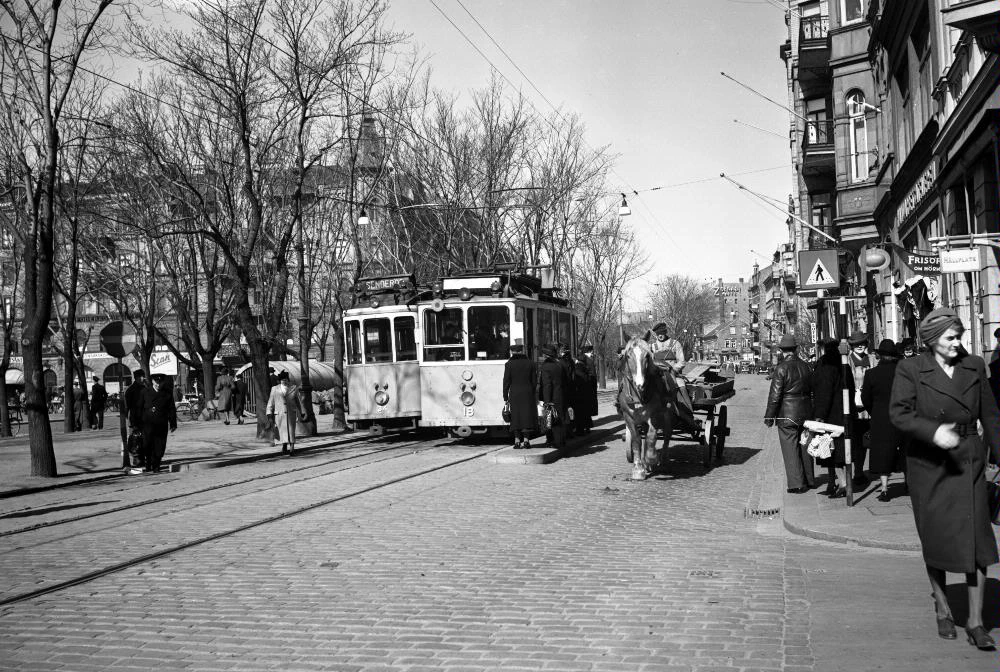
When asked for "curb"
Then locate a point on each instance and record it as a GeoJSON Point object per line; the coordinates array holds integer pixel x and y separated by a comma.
{"type": "Point", "coordinates": [549, 455]}
{"type": "Point", "coordinates": [850, 541]}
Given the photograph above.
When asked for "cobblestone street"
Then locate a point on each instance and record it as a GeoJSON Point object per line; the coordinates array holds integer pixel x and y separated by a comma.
{"type": "Point", "coordinates": [473, 566]}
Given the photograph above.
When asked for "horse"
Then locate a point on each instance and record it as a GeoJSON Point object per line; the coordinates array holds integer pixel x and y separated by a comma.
{"type": "Point", "coordinates": [643, 400]}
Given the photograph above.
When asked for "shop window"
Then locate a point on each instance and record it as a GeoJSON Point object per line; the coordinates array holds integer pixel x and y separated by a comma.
{"type": "Point", "coordinates": [378, 341]}
{"type": "Point", "coordinates": [489, 332]}
{"type": "Point", "coordinates": [444, 335]}
{"type": "Point", "coordinates": [352, 336]}
{"type": "Point", "coordinates": [856, 110]}
{"type": "Point", "coordinates": [406, 342]}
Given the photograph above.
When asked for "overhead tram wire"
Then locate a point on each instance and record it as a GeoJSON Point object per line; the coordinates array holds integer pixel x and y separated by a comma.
{"type": "Point", "coordinates": [629, 189]}
{"type": "Point", "coordinates": [763, 130]}
{"type": "Point", "coordinates": [707, 179]}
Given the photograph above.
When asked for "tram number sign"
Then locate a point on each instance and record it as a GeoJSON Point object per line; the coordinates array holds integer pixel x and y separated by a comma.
{"type": "Point", "coordinates": [469, 411]}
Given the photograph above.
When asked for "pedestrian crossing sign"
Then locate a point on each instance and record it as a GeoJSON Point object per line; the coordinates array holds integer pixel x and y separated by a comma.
{"type": "Point", "coordinates": [818, 269]}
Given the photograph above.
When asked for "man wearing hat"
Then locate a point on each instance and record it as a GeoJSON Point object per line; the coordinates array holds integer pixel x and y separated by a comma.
{"type": "Point", "coordinates": [157, 414]}
{"type": "Point", "coordinates": [886, 444]}
{"type": "Point", "coordinates": [859, 362]}
{"type": "Point", "coordinates": [789, 405]}
{"type": "Point", "coordinates": [663, 343]}
{"type": "Point", "coordinates": [552, 387]}
{"type": "Point", "coordinates": [98, 402]}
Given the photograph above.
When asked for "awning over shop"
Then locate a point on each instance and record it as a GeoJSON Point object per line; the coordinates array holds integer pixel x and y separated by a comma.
{"type": "Point", "coordinates": [14, 377]}
{"type": "Point", "coordinates": [321, 374]}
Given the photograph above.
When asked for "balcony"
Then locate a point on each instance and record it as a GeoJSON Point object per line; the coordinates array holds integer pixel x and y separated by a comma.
{"type": "Point", "coordinates": [979, 17]}
{"type": "Point", "coordinates": [814, 55]}
{"type": "Point", "coordinates": [819, 161]}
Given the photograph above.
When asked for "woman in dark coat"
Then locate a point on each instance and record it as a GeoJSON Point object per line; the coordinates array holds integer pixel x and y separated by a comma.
{"type": "Point", "coordinates": [553, 385]}
{"type": "Point", "coordinates": [585, 403]}
{"type": "Point", "coordinates": [937, 400]}
{"type": "Point", "coordinates": [885, 455]}
{"type": "Point", "coordinates": [239, 399]}
{"type": "Point", "coordinates": [828, 405]}
{"type": "Point", "coordinates": [224, 394]}
{"type": "Point", "coordinates": [520, 378]}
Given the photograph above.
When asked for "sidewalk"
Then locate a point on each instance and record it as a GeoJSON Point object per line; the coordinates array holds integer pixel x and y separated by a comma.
{"type": "Point", "coordinates": [96, 455]}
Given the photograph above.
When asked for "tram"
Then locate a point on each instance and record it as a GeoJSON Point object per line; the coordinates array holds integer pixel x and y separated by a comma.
{"type": "Point", "coordinates": [465, 335]}
{"type": "Point", "coordinates": [381, 368]}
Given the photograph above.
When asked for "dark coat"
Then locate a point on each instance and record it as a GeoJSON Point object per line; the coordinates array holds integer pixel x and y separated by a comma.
{"type": "Point", "coordinates": [132, 395]}
{"type": "Point", "coordinates": [520, 378]}
{"type": "Point", "coordinates": [948, 487]}
{"type": "Point", "coordinates": [995, 380]}
{"type": "Point", "coordinates": [156, 411]}
{"type": "Point", "coordinates": [98, 397]}
{"type": "Point", "coordinates": [586, 388]}
{"type": "Point", "coordinates": [791, 391]}
{"type": "Point", "coordinates": [876, 393]}
{"type": "Point", "coordinates": [570, 381]}
{"type": "Point", "coordinates": [828, 400]}
{"type": "Point", "coordinates": [224, 392]}
{"type": "Point", "coordinates": [553, 385]}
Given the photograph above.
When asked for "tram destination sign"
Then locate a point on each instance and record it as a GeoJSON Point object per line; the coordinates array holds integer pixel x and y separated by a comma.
{"type": "Point", "coordinates": [384, 284]}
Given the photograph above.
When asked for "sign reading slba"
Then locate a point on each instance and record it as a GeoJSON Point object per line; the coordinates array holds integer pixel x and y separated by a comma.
{"type": "Point", "coordinates": [163, 362]}
{"type": "Point", "coordinates": [963, 260]}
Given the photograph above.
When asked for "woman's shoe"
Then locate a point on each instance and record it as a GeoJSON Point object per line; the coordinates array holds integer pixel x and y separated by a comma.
{"type": "Point", "coordinates": [979, 638]}
{"type": "Point", "coordinates": [883, 496]}
{"type": "Point", "coordinates": [946, 627]}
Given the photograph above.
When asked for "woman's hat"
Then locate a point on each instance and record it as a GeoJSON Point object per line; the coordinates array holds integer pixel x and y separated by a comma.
{"type": "Point", "coordinates": [857, 338]}
{"type": "Point", "coordinates": [888, 348]}
{"type": "Point", "coordinates": [937, 322]}
{"type": "Point", "coordinates": [660, 328]}
{"type": "Point", "coordinates": [518, 348]}
{"type": "Point", "coordinates": [787, 342]}
{"type": "Point", "coordinates": [158, 377]}
{"type": "Point", "coordinates": [548, 350]}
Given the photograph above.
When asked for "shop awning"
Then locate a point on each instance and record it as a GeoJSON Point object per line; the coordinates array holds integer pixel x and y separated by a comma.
{"type": "Point", "coordinates": [321, 374]}
{"type": "Point", "coordinates": [14, 377]}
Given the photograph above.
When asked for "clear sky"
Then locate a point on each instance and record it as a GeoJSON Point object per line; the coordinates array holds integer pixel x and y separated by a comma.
{"type": "Point", "coordinates": [645, 77]}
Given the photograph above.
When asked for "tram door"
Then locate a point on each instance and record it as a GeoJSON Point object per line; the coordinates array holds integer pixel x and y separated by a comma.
{"type": "Point", "coordinates": [527, 320]}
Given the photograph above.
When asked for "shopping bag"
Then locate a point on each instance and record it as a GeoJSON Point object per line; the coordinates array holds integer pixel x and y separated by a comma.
{"type": "Point", "coordinates": [133, 447]}
{"type": "Point", "coordinates": [505, 413]}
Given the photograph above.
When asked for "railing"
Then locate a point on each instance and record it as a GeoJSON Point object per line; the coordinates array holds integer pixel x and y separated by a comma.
{"type": "Point", "coordinates": [815, 27]}
{"type": "Point", "coordinates": [818, 132]}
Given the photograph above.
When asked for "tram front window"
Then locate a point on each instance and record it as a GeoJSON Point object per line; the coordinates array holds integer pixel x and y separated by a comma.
{"type": "Point", "coordinates": [406, 344]}
{"type": "Point", "coordinates": [444, 336]}
{"type": "Point", "coordinates": [353, 338]}
{"type": "Point", "coordinates": [489, 332]}
{"type": "Point", "coordinates": [565, 329]}
{"type": "Point", "coordinates": [378, 341]}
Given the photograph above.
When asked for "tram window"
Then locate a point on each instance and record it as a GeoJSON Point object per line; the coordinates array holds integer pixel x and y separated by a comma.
{"type": "Point", "coordinates": [378, 343]}
{"type": "Point", "coordinates": [565, 325]}
{"type": "Point", "coordinates": [406, 344]}
{"type": "Point", "coordinates": [489, 332]}
{"type": "Point", "coordinates": [529, 332]}
{"type": "Point", "coordinates": [544, 326]}
{"type": "Point", "coordinates": [353, 337]}
{"type": "Point", "coordinates": [444, 337]}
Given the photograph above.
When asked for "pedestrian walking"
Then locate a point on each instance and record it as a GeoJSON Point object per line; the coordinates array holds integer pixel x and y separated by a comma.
{"type": "Point", "coordinates": [585, 372]}
{"type": "Point", "coordinates": [224, 395]}
{"type": "Point", "coordinates": [158, 416]}
{"type": "Point", "coordinates": [98, 403]}
{"type": "Point", "coordinates": [79, 406]}
{"type": "Point", "coordinates": [131, 399]}
{"type": "Point", "coordinates": [239, 399]}
{"type": "Point", "coordinates": [828, 384]}
{"type": "Point", "coordinates": [284, 410]}
{"type": "Point", "coordinates": [789, 405]}
{"type": "Point", "coordinates": [520, 378]}
{"type": "Point", "coordinates": [552, 386]}
{"type": "Point", "coordinates": [937, 400]}
{"type": "Point", "coordinates": [886, 450]}
{"type": "Point", "coordinates": [860, 363]}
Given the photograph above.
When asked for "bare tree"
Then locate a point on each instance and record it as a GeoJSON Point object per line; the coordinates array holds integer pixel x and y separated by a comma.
{"type": "Point", "coordinates": [685, 304]}
{"type": "Point", "coordinates": [41, 50]}
{"type": "Point", "coordinates": [11, 299]}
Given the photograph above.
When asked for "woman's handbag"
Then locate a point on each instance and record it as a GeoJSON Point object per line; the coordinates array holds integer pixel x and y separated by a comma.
{"type": "Point", "coordinates": [993, 495]}
{"type": "Point", "coordinates": [546, 418]}
{"type": "Point", "coordinates": [505, 413]}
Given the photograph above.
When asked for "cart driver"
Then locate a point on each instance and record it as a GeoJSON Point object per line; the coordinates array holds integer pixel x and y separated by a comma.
{"type": "Point", "coordinates": [671, 360]}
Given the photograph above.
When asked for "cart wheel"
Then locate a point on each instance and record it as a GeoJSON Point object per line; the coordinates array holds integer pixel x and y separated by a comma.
{"type": "Point", "coordinates": [707, 441]}
{"type": "Point", "coordinates": [721, 431]}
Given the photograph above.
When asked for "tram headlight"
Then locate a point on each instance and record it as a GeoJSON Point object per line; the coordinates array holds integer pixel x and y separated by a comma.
{"type": "Point", "coordinates": [381, 397]}
{"type": "Point", "coordinates": [465, 293]}
{"type": "Point", "coordinates": [468, 398]}
{"type": "Point", "coordinates": [374, 303]}
{"type": "Point", "coordinates": [467, 375]}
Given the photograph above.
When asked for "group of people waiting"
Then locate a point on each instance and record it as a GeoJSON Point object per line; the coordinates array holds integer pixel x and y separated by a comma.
{"type": "Point", "coordinates": [560, 387]}
{"type": "Point", "coordinates": [936, 411]}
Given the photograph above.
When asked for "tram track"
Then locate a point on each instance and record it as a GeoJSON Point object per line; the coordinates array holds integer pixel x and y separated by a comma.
{"type": "Point", "coordinates": [172, 549]}
{"type": "Point", "coordinates": [221, 486]}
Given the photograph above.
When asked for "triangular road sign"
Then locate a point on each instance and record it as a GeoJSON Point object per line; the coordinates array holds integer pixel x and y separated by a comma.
{"type": "Point", "coordinates": [819, 275]}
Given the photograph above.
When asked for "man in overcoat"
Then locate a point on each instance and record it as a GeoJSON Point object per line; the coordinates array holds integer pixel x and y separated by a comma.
{"type": "Point", "coordinates": [98, 401]}
{"type": "Point", "coordinates": [585, 372]}
{"type": "Point", "coordinates": [520, 378]}
{"type": "Point", "coordinates": [552, 388]}
{"type": "Point", "coordinates": [158, 415]}
{"type": "Point", "coordinates": [885, 452]}
{"type": "Point", "coordinates": [789, 404]}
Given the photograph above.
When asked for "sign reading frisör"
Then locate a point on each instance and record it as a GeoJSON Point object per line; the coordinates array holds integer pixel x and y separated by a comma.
{"type": "Point", "coordinates": [960, 260]}
{"type": "Point", "coordinates": [924, 262]}
{"type": "Point", "coordinates": [818, 269]}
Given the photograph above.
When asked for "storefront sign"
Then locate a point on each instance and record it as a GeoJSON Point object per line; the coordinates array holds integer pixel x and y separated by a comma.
{"type": "Point", "coordinates": [924, 262]}
{"type": "Point", "coordinates": [916, 195]}
{"type": "Point", "coordinates": [962, 260]}
{"type": "Point", "coordinates": [163, 362]}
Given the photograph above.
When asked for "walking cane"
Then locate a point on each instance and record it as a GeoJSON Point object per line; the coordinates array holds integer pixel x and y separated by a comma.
{"type": "Point", "coordinates": [848, 466]}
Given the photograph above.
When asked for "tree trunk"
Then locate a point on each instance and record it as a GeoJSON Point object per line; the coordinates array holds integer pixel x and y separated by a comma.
{"type": "Point", "coordinates": [43, 458]}
{"type": "Point", "coordinates": [261, 384]}
{"type": "Point", "coordinates": [207, 378]}
{"type": "Point", "coordinates": [339, 418]}
{"type": "Point", "coordinates": [4, 411]}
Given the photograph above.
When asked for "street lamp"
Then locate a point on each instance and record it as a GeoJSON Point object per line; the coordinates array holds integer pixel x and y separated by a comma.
{"type": "Point", "coordinates": [363, 218]}
{"type": "Point", "coordinates": [623, 209]}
